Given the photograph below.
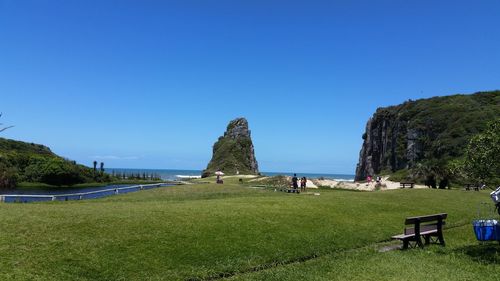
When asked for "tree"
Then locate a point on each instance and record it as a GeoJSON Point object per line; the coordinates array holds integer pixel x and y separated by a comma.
{"type": "Point", "coordinates": [8, 176]}
{"type": "Point", "coordinates": [481, 158]}
{"type": "Point", "coordinates": [53, 171]}
{"type": "Point", "coordinates": [102, 167]}
{"type": "Point", "coordinates": [95, 166]}
{"type": "Point", "coordinates": [4, 128]}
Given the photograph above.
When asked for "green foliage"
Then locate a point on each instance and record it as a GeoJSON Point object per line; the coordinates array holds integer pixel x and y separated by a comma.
{"type": "Point", "coordinates": [53, 171]}
{"type": "Point", "coordinates": [400, 175]}
{"type": "Point", "coordinates": [482, 154]}
{"type": "Point", "coordinates": [28, 162]}
{"type": "Point", "coordinates": [443, 126]}
{"type": "Point", "coordinates": [276, 181]}
{"type": "Point", "coordinates": [8, 176]}
{"type": "Point", "coordinates": [231, 155]}
{"type": "Point", "coordinates": [449, 122]}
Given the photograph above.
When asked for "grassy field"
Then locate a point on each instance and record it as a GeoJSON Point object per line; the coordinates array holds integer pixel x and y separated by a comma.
{"type": "Point", "coordinates": [208, 231]}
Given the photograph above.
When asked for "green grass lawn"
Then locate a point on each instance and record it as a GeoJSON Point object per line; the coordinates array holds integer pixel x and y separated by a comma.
{"type": "Point", "coordinates": [202, 231]}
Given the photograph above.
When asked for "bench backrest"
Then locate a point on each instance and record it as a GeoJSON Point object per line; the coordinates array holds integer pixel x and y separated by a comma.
{"type": "Point", "coordinates": [425, 223]}
{"type": "Point", "coordinates": [429, 218]}
{"type": "Point", "coordinates": [423, 228]}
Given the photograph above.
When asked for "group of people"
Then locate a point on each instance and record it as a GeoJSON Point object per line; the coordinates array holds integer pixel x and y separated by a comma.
{"type": "Point", "coordinates": [369, 179]}
{"type": "Point", "coordinates": [295, 183]}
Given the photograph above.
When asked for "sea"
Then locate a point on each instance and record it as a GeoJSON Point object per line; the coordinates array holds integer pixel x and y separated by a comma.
{"type": "Point", "coordinates": [169, 174]}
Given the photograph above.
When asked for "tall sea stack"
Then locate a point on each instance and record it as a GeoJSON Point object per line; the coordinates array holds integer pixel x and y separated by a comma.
{"type": "Point", "coordinates": [233, 152]}
{"type": "Point", "coordinates": [427, 133]}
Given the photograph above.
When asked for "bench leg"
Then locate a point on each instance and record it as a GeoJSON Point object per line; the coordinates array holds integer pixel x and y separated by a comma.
{"type": "Point", "coordinates": [441, 238]}
{"type": "Point", "coordinates": [419, 242]}
{"type": "Point", "coordinates": [427, 239]}
{"type": "Point", "coordinates": [405, 244]}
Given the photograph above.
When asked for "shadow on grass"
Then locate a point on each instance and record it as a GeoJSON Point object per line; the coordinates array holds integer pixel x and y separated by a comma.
{"type": "Point", "coordinates": [483, 253]}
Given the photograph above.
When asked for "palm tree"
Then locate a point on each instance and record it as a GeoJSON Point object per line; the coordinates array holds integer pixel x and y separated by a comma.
{"type": "Point", "coordinates": [95, 166]}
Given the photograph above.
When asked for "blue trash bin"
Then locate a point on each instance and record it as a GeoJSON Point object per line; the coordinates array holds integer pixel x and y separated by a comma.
{"type": "Point", "coordinates": [486, 230]}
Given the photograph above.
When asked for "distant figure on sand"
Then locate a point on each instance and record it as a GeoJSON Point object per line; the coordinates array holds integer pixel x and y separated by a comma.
{"type": "Point", "coordinates": [303, 184]}
{"type": "Point", "coordinates": [219, 173]}
{"type": "Point", "coordinates": [294, 181]}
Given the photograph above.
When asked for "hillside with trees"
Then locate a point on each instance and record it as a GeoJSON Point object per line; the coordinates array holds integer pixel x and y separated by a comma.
{"type": "Point", "coordinates": [434, 140]}
{"type": "Point", "coordinates": [35, 163]}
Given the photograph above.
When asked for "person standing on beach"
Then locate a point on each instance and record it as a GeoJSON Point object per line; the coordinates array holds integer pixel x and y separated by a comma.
{"type": "Point", "coordinates": [294, 181]}
{"type": "Point", "coordinates": [303, 184]}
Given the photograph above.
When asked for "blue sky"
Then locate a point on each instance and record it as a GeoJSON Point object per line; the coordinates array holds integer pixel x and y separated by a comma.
{"type": "Point", "coordinates": [152, 84]}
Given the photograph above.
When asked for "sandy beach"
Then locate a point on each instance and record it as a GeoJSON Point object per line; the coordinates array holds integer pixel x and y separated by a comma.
{"type": "Point", "coordinates": [386, 184]}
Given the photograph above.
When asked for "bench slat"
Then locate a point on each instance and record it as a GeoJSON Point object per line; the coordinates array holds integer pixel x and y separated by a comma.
{"type": "Point", "coordinates": [429, 218]}
{"type": "Point", "coordinates": [423, 228]}
{"type": "Point", "coordinates": [409, 235]}
{"type": "Point", "coordinates": [402, 236]}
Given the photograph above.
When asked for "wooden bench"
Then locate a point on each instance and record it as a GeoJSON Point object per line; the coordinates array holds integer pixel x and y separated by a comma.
{"type": "Point", "coordinates": [405, 184]}
{"type": "Point", "coordinates": [423, 226]}
{"type": "Point", "coordinates": [470, 186]}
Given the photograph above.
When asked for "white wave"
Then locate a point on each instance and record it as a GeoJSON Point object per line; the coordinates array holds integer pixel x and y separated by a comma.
{"type": "Point", "coordinates": [348, 180]}
{"type": "Point", "coordinates": [188, 177]}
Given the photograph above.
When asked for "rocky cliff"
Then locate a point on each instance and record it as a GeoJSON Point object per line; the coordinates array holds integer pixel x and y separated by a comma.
{"type": "Point", "coordinates": [233, 152]}
{"type": "Point", "coordinates": [434, 131]}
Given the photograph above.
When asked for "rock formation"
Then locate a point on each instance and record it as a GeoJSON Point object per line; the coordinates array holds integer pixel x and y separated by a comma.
{"type": "Point", "coordinates": [385, 146]}
{"type": "Point", "coordinates": [427, 131]}
{"type": "Point", "coordinates": [234, 152]}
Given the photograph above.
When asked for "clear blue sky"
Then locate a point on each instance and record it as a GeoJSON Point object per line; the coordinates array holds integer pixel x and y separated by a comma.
{"type": "Point", "coordinates": [152, 84]}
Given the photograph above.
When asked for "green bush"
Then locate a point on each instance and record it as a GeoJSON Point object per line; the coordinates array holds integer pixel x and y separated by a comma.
{"type": "Point", "coordinates": [28, 162]}
{"type": "Point", "coordinates": [277, 181]}
{"type": "Point", "coordinates": [481, 160]}
{"type": "Point", "coordinates": [8, 176]}
{"type": "Point", "coordinates": [401, 175]}
{"type": "Point", "coordinates": [53, 171]}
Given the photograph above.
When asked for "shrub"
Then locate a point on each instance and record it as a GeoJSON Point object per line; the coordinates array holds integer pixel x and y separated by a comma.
{"type": "Point", "coordinates": [482, 154]}
{"type": "Point", "coordinates": [8, 176]}
{"type": "Point", "coordinates": [53, 171]}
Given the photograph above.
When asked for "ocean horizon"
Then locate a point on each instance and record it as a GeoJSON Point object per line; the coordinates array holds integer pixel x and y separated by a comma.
{"type": "Point", "coordinates": [177, 174]}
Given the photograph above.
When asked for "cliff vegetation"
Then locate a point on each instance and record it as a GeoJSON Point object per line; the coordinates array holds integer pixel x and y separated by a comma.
{"type": "Point", "coordinates": [35, 163]}
{"type": "Point", "coordinates": [427, 140]}
{"type": "Point", "coordinates": [234, 151]}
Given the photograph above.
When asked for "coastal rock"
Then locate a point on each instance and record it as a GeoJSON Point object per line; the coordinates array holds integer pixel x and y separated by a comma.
{"type": "Point", "coordinates": [431, 132]}
{"type": "Point", "coordinates": [234, 151]}
{"type": "Point", "coordinates": [383, 145]}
